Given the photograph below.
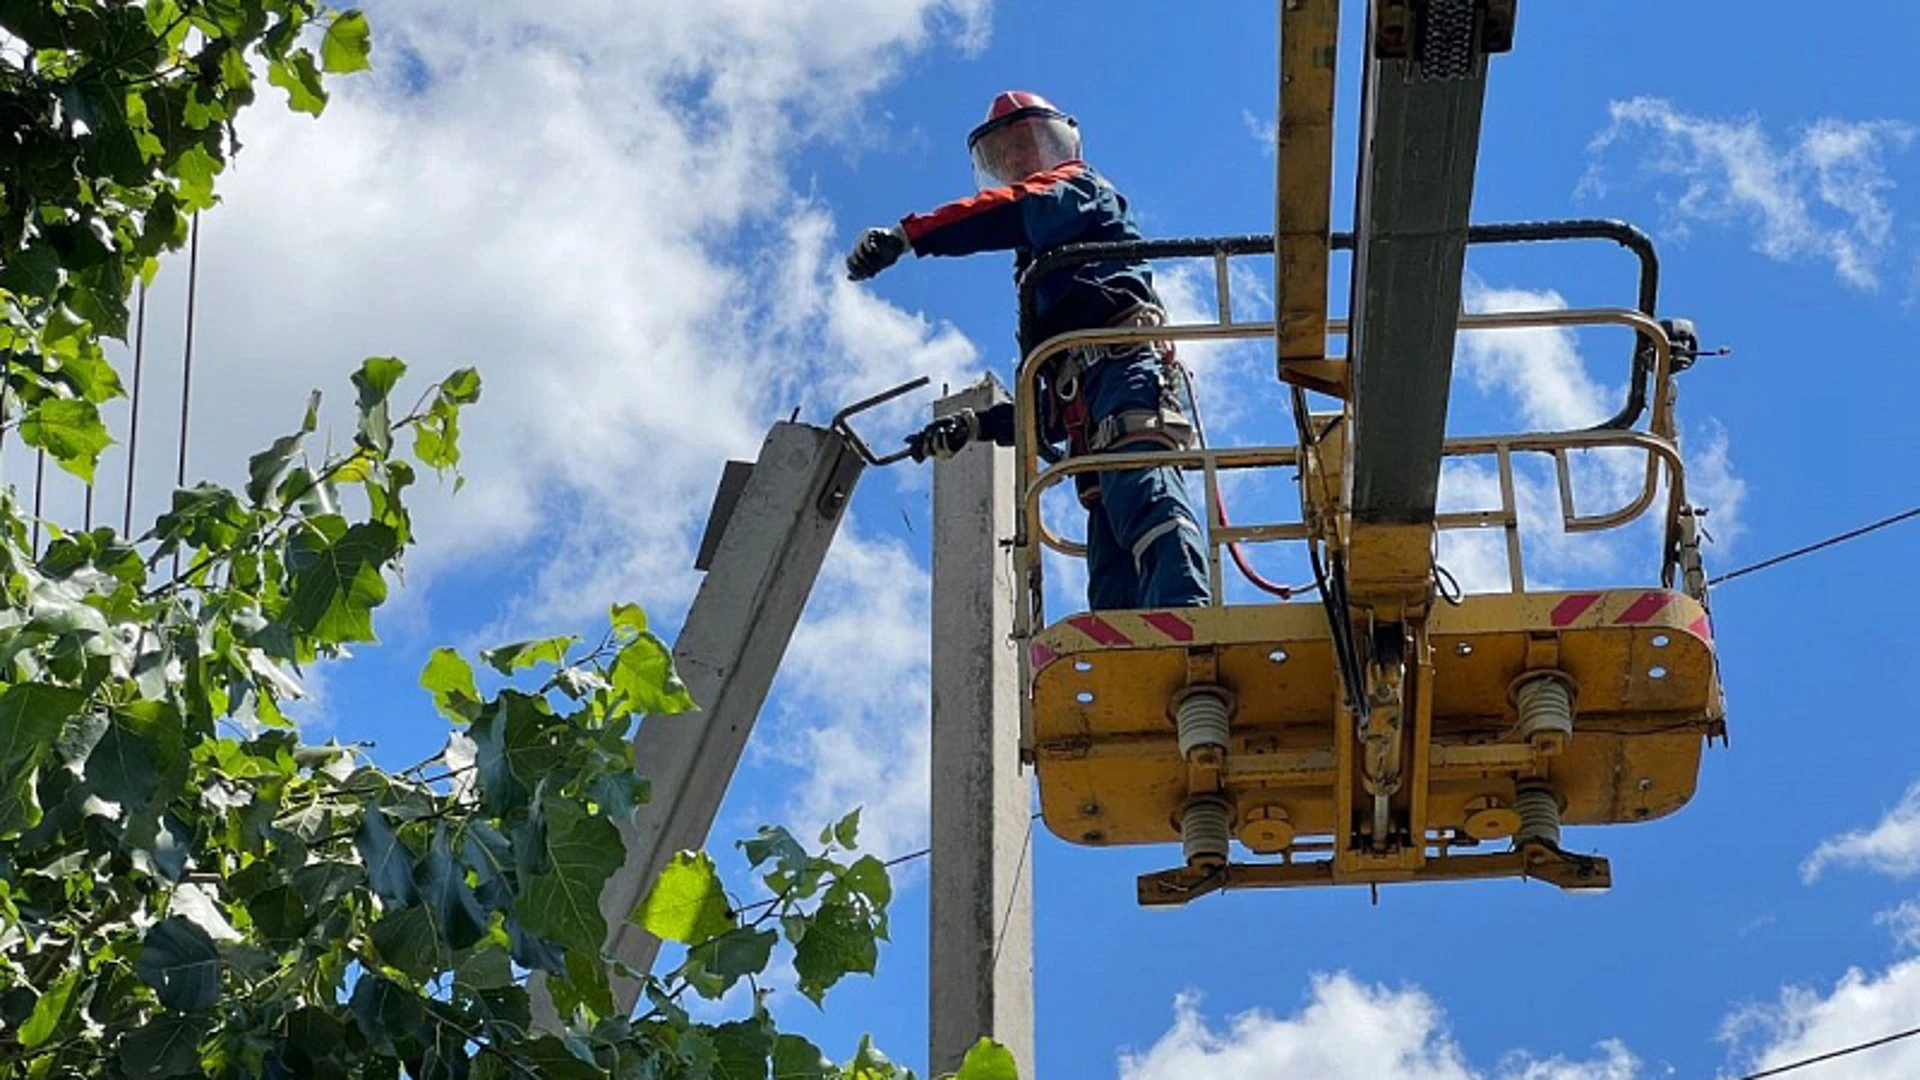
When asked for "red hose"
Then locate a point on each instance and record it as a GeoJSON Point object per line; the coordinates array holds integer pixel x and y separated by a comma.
{"type": "Point", "coordinates": [1284, 592]}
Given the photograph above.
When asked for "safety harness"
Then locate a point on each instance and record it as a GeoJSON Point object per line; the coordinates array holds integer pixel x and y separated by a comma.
{"type": "Point", "coordinates": [1166, 426]}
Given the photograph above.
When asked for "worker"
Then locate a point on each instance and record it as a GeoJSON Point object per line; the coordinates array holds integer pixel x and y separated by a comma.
{"type": "Point", "coordinates": [1036, 194]}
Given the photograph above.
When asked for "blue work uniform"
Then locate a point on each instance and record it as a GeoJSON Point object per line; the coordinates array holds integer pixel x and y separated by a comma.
{"type": "Point", "coordinates": [1143, 538]}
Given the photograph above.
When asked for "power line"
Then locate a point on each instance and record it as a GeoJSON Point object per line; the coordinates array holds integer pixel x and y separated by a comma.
{"type": "Point", "coordinates": [186, 360]}
{"type": "Point", "coordinates": [1830, 1055]}
{"type": "Point", "coordinates": [1013, 896]}
{"type": "Point", "coordinates": [133, 406]}
{"type": "Point", "coordinates": [1811, 548]}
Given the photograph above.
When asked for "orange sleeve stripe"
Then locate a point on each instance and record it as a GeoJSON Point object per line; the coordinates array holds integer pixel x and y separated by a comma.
{"type": "Point", "coordinates": [918, 225]}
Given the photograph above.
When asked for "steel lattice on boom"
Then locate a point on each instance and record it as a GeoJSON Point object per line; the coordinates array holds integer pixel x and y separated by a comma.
{"type": "Point", "coordinates": [1378, 735]}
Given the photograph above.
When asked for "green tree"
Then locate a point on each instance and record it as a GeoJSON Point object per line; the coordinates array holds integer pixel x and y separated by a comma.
{"type": "Point", "coordinates": [186, 889]}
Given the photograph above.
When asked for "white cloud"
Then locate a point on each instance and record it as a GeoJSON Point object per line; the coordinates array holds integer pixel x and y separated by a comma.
{"type": "Point", "coordinates": [854, 690]}
{"type": "Point", "coordinates": [1821, 196]}
{"type": "Point", "coordinates": [1903, 922]}
{"type": "Point", "coordinates": [1536, 379]}
{"type": "Point", "coordinates": [1860, 1008]}
{"type": "Point", "coordinates": [1891, 847]}
{"type": "Point", "coordinates": [1347, 1029]}
{"type": "Point", "coordinates": [595, 209]}
{"type": "Point", "coordinates": [1539, 367]}
{"type": "Point", "coordinates": [1712, 483]}
{"type": "Point", "coordinates": [595, 205]}
{"type": "Point", "coordinates": [1264, 131]}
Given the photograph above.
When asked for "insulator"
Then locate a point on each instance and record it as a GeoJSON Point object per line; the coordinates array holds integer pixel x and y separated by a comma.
{"type": "Point", "coordinates": [1545, 702]}
{"type": "Point", "coordinates": [1202, 716]}
{"type": "Point", "coordinates": [1206, 830]}
{"type": "Point", "coordinates": [1539, 810]}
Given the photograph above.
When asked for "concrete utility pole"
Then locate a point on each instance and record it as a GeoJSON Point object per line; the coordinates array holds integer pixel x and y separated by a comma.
{"type": "Point", "coordinates": [771, 526]}
{"type": "Point", "coordinates": [981, 978]}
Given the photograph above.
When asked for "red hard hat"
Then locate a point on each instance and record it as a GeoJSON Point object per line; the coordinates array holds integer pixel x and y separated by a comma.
{"type": "Point", "coordinates": [1010, 107]}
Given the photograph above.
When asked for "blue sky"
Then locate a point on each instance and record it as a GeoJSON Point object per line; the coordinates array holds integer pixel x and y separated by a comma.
{"type": "Point", "coordinates": [629, 216]}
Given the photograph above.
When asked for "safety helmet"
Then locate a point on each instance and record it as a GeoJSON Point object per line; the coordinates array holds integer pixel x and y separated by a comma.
{"type": "Point", "coordinates": [1023, 134]}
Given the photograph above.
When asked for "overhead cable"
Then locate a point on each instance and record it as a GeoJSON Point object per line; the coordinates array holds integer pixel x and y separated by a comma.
{"type": "Point", "coordinates": [133, 404]}
{"type": "Point", "coordinates": [186, 361]}
{"type": "Point", "coordinates": [1781, 1070]}
{"type": "Point", "coordinates": [1811, 548]}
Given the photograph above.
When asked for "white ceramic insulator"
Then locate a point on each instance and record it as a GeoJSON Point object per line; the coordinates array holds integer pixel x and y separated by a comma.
{"type": "Point", "coordinates": [1546, 707]}
{"type": "Point", "coordinates": [1539, 810]}
{"type": "Point", "coordinates": [1206, 831]}
{"type": "Point", "coordinates": [1203, 721]}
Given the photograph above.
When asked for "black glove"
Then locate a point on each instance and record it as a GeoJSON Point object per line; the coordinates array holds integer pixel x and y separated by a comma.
{"type": "Point", "coordinates": [877, 250]}
{"type": "Point", "coordinates": [944, 437]}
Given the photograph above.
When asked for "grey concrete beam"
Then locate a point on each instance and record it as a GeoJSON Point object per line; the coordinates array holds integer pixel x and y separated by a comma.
{"type": "Point", "coordinates": [761, 567]}
{"type": "Point", "coordinates": [981, 977]}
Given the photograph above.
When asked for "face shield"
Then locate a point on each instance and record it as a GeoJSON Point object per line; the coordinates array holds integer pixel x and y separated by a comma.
{"type": "Point", "coordinates": [1010, 150]}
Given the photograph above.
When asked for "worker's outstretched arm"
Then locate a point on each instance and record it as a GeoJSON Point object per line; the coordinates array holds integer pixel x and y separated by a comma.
{"type": "Point", "coordinates": [1023, 215]}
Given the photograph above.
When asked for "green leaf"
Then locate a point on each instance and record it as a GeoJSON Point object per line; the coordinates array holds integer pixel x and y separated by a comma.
{"type": "Point", "coordinates": [847, 831]}
{"type": "Point", "coordinates": [195, 169]}
{"type": "Point", "coordinates": [988, 1060]}
{"type": "Point", "coordinates": [795, 1058]}
{"type": "Point", "coordinates": [51, 1011]}
{"type": "Point", "coordinates": [436, 437]}
{"type": "Point", "coordinates": [487, 969]}
{"type": "Point", "coordinates": [497, 733]}
{"type": "Point", "coordinates": [870, 1064]}
{"type": "Point", "coordinates": [375, 382]}
{"type": "Point", "coordinates": [384, 1010]}
{"type": "Point", "coordinates": [165, 1046]}
{"type": "Point", "coordinates": [586, 986]}
{"type": "Point", "coordinates": [201, 908]}
{"type": "Point", "coordinates": [31, 717]}
{"type": "Point", "coordinates": [278, 916]}
{"type": "Point", "coordinates": [687, 904]}
{"type": "Point", "coordinates": [628, 618]}
{"type": "Point", "coordinates": [265, 468]}
{"type": "Point", "coordinates": [643, 676]}
{"type": "Point", "coordinates": [320, 884]}
{"type": "Point", "coordinates": [388, 860]}
{"type": "Point", "coordinates": [839, 940]}
{"type": "Point", "coordinates": [549, 1059]}
{"type": "Point", "coordinates": [508, 659]}
{"type": "Point", "coordinates": [335, 594]}
{"type": "Point", "coordinates": [868, 877]}
{"type": "Point", "coordinates": [620, 792]}
{"type": "Point", "coordinates": [563, 903]}
{"type": "Point", "coordinates": [462, 387]}
{"type": "Point", "coordinates": [775, 843]}
{"type": "Point", "coordinates": [408, 941]}
{"type": "Point", "coordinates": [316, 1043]}
{"type": "Point", "coordinates": [135, 754]}
{"type": "Point", "coordinates": [458, 919]}
{"type": "Point", "coordinates": [182, 965]}
{"type": "Point", "coordinates": [449, 678]}
{"type": "Point", "coordinates": [297, 75]}
{"type": "Point", "coordinates": [716, 964]}
{"type": "Point", "coordinates": [70, 431]}
{"type": "Point", "coordinates": [346, 45]}
{"type": "Point", "coordinates": [742, 1049]}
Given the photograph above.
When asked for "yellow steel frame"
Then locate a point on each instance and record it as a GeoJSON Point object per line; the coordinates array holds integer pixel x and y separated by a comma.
{"type": "Point", "coordinates": [1303, 144]}
{"type": "Point", "coordinates": [1096, 720]}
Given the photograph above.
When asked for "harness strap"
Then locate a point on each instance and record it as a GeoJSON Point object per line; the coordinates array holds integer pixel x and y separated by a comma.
{"type": "Point", "coordinates": [1166, 425]}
